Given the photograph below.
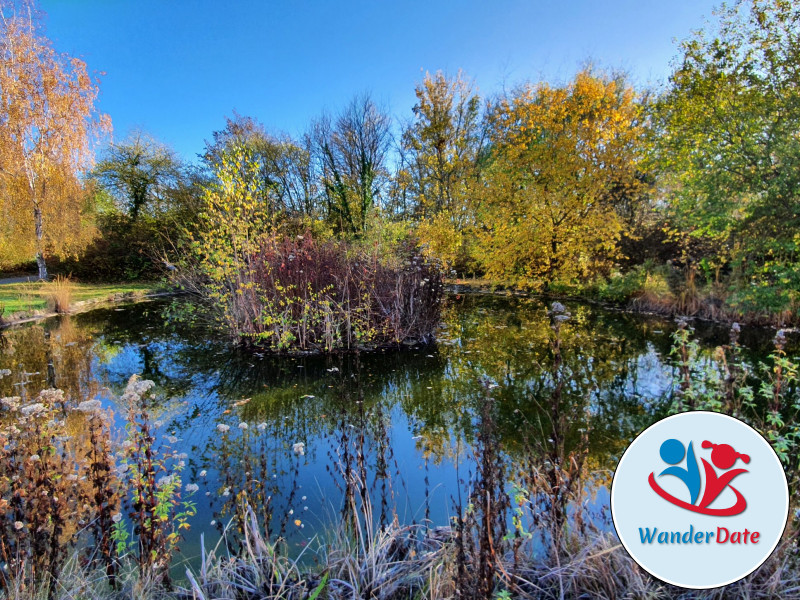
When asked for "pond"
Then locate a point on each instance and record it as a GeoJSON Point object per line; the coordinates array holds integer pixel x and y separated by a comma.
{"type": "Point", "coordinates": [302, 437]}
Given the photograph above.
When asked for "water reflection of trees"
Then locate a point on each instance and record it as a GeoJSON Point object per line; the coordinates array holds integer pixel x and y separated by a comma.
{"type": "Point", "coordinates": [57, 354]}
{"type": "Point", "coordinates": [612, 382]}
{"type": "Point", "coordinates": [505, 340]}
{"type": "Point", "coordinates": [511, 347]}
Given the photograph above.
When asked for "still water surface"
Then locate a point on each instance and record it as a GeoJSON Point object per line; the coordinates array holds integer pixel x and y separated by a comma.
{"type": "Point", "coordinates": [404, 423]}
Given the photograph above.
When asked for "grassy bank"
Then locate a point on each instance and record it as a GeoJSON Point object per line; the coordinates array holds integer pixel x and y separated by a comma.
{"type": "Point", "coordinates": [20, 300]}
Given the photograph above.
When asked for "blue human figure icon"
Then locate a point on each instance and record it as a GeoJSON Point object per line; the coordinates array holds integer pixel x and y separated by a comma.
{"type": "Point", "coordinates": [672, 452]}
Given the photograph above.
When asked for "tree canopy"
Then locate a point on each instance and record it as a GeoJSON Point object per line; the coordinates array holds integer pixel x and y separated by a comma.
{"type": "Point", "coordinates": [48, 122]}
{"type": "Point", "coordinates": [351, 151]}
{"type": "Point", "coordinates": [139, 172]}
{"type": "Point", "coordinates": [727, 140]}
{"type": "Point", "coordinates": [561, 158]}
{"type": "Point", "coordinates": [440, 170]}
{"type": "Point", "coordinates": [285, 177]}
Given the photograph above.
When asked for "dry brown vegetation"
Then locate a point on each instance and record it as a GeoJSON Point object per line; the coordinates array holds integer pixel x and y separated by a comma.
{"type": "Point", "coordinates": [59, 294]}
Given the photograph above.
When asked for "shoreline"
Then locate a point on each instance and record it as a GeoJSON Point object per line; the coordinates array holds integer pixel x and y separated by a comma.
{"type": "Point", "coordinates": [451, 288]}
{"type": "Point", "coordinates": [628, 307]}
{"type": "Point", "coordinates": [82, 306]}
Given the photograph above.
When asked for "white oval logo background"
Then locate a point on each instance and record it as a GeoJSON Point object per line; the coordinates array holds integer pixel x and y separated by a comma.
{"type": "Point", "coordinates": [640, 513]}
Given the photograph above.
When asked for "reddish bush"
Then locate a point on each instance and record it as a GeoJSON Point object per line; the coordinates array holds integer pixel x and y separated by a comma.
{"type": "Point", "coordinates": [302, 294]}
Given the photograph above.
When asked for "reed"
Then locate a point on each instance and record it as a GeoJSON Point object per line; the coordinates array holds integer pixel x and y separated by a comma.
{"type": "Point", "coordinates": [59, 294]}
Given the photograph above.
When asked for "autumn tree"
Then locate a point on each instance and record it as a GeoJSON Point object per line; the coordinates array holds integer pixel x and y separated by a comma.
{"type": "Point", "coordinates": [140, 173]}
{"type": "Point", "coordinates": [562, 158]}
{"type": "Point", "coordinates": [440, 154]}
{"type": "Point", "coordinates": [232, 225]}
{"type": "Point", "coordinates": [351, 152]}
{"type": "Point", "coordinates": [47, 123]}
{"type": "Point", "coordinates": [728, 146]}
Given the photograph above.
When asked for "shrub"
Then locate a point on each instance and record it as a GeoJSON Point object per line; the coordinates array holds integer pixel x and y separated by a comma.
{"type": "Point", "coordinates": [771, 288]}
{"type": "Point", "coordinates": [294, 293]}
{"type": "Point", "coordinates": [62, 490]}
{"type": "Point", "coordinates": [126, 250]}
{"type": "Point", "coordinates": [53, 485]}
{"type": "Point", "coordinates": [153, 482]}
{"type": "Point", "coordinates": [59, 294]}
{"type": "Point", "coordinates": [621, 287]}
{"type": "Point", "coordinates": [726, 382]}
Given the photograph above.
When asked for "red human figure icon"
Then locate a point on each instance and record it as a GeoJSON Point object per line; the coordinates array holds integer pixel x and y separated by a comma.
{"type": "Point", "coordinates": [724, 457]}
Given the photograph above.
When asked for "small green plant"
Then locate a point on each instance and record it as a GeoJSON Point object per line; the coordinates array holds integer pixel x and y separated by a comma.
{"type": "Point", "coordinates": [521, 498]}
{"type": "Point", "coordinates": [766, 396]}
{"type": "Point", "coordinates": [153, 481]}
{"type": "Point", "coordinates": [319, 589]}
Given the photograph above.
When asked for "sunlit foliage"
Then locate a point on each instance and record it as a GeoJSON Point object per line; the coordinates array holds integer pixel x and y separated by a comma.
{"type": "Point", "coordinates": [729, 150]}
{"type": "Point", "coordinates": [48, 121]}
{"type": "Point", "coordinates": [440, 169]}
{"type": "Point", "coordinates": [562, 157]}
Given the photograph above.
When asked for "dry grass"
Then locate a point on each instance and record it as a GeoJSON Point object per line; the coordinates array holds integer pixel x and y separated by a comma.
{"type": "Point", "coordinates": [59, 294]}
{"type": "Point", "coordinates": [402, 562]}
{"type": "Point", "coordinates": [393, 562]}
{"type": "Point", "coordinates": [396, 561]}
{"type": "Point", "coordinates": [688, 299]}
{"type": "Point", "coordinates": [602, 569]}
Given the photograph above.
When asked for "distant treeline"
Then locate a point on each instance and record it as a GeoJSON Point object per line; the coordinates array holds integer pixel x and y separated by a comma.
{"type": "Point", "coordinates": [684, 198]}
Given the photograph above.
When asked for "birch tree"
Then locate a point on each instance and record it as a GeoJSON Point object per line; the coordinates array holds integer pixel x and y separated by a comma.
{"type": "Point", "coordinates": [48, 122]}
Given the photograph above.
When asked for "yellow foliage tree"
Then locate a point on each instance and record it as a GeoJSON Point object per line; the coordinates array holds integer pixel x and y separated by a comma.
{"type": "Point", "coordinates": [47, 124]}
{"type": "Point", "coordinates": [439, 163]}
{"type": "Point", "coordinates": [563, 159]}
{"type": "Point", "coordinates": [232, 226]}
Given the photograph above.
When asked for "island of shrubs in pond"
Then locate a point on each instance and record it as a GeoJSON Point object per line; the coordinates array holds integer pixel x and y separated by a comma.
{"type": "Point", "coordinates": [286, 283]}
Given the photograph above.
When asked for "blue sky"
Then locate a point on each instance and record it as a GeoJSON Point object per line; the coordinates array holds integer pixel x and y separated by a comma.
{"type": "Point", "coordinates": [176, 68]}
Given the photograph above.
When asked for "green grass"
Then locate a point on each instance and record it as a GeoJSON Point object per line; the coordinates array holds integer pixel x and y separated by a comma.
{"type": "Point", "coordinates": [30, 297]}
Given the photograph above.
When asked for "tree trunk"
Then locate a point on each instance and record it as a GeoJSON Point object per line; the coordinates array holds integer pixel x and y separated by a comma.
{"type": "Point", "coordinates": [553, 265]}
{"type": "Point", "coordinates": [37, 217]}
{"type": "Point", "coordinates": [42, 266]}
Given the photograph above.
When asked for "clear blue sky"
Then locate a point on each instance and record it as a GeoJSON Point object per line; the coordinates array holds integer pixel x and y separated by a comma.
{"type": "Point", "coordinates": [176, 68]}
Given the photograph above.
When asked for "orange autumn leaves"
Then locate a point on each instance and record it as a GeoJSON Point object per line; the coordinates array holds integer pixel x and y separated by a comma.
{"type": "Point", "coordinates": [48, 122]}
